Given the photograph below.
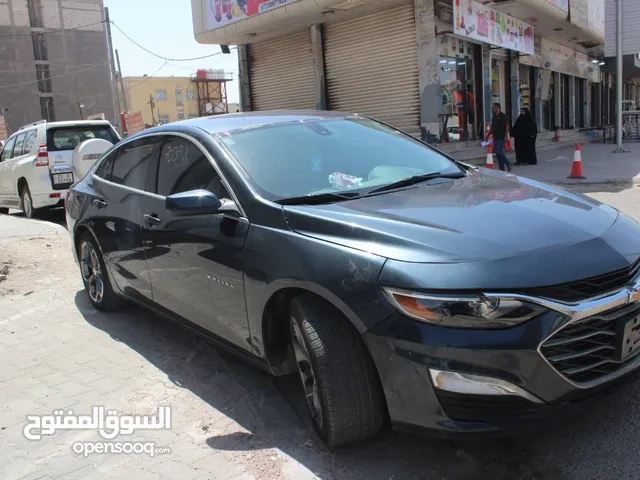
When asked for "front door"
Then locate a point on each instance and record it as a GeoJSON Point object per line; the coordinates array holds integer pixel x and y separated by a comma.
{"type": "Point", "coordinates": [196, 262]}
{"type": "Point", "coordinates": [122, 187]}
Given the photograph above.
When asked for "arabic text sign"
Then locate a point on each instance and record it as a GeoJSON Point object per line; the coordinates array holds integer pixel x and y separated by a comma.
{"type": "Point", "coordinates": [476, 21]}
{"type": "Point", "coordinates": [225, 12]}
{"type": "Point", "coordinates": [134, 122]}
{"type": "Point", "coordinates": [107, 422]}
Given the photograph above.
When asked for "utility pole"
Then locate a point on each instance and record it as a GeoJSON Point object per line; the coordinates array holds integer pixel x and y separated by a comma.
{"type": "Point", "coordinates": [619, 147]}
{"type": "Point", "coordinates": [153, 105]}
{"type": "Point", "coordinates": [114, 88]}
{"type": "Point", "coordinates": [124, 95]}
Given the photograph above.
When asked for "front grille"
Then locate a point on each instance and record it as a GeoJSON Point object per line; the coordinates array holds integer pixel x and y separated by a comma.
{"type": "Point", "coordinates": [493, 409]}
{"type": "Point", "coordinates": [589, 349]}
{"type": "Point", "coordinates": [589, 287]}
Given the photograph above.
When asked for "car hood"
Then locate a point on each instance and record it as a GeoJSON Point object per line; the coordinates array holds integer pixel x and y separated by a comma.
{"type": "Point", "coordinates": [483, 216]}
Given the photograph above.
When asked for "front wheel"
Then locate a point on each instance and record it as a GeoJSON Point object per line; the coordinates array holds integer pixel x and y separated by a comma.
{"type": "Point", "coordinates": [340, 382]}
{"type": "Point", "coordinates": [95, 276]}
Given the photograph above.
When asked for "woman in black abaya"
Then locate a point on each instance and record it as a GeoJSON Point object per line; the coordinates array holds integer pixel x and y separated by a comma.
{"type": "Point", "coordinates": [525, 132]}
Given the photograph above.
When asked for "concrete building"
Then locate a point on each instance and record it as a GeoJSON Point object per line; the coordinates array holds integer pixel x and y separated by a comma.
{"type": "Point", "coordinates": [171, 99]}
{"type": "Point", "coordinates": [53, 59]}
{"type": "Point", "coordinates": [430, 67]}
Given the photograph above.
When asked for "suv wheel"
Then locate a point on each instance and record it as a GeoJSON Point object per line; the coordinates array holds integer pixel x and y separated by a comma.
{"type": "Point", "coordinates": [26, 203]}
{"type": "Point", "coordinates": [95, 276]}
{"type": "Point", "coordinates": [340, 382]}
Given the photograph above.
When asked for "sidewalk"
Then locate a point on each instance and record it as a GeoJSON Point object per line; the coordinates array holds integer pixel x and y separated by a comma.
{"type": "Point", "coordinates": [599, 164]}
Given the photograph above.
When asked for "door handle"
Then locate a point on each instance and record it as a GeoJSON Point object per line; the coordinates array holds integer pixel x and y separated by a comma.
{"type": "Point", "coordinates": [99, 203]}
{"type": "Point", "coordinates": [152, 219]}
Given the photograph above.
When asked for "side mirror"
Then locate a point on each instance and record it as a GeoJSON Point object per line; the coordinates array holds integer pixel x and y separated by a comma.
{"type": "Point", "coordinates": [193, 202]}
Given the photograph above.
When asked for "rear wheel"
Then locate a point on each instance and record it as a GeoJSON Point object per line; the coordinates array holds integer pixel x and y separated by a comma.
{"type": "Point", "coordinates": [95, 276]}
{"type": "Point", "coordinates": [26, 202]}
{"type": "Point", "coordinates": [340, 382]}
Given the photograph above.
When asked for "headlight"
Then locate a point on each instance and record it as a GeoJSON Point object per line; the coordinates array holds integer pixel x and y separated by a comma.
{"type": "Point", "coordinates": [473, 311]}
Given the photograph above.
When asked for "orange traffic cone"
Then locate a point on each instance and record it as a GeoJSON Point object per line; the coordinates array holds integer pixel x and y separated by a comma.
{"type": "Point", "coordinates": [576, 168]}
{"type": "Point", "coordinates": [489, 157]}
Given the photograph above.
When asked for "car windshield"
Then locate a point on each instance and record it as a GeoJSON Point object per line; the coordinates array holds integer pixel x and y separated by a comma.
{"type": "Point", "coordinates": [300, 158]}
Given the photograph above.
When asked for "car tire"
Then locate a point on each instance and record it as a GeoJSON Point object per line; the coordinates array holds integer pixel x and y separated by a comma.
{"type": "Point", "coordinates": [4, 211]}
{"type": "Point", "coordinates": [340, 382]}
{"type": "Point", "coordinates": [26, 202]}
{"type": "Point", "coordinates": [95, 276]}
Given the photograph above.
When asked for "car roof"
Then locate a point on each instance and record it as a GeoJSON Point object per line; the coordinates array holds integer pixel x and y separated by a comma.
{"type": "Point", "coordinates": [68, 123]}
{"type": "Point", "coordinates": [234, 121]}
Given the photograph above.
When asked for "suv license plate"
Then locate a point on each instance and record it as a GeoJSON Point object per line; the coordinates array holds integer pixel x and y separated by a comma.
{"type": "Point", "coordinates": [62, 178]}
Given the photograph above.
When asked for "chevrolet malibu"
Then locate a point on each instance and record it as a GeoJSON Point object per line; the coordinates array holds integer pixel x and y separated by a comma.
{"type": "Point", "coordinates": [401, 285]}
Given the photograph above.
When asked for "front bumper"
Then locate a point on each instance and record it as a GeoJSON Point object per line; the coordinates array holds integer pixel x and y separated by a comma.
{"type": "Point", "coordinates": [561, 361]}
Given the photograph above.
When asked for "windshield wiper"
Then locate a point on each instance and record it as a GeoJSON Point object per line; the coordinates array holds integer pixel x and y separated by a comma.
{"type": "Point", "coordinates": [405, 182]}
{"type": "Point", "coordinates": [319, 198]}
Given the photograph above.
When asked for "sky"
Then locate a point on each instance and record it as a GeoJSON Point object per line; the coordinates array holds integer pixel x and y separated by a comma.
{"type": "Point", "coordinates": [164, 27]}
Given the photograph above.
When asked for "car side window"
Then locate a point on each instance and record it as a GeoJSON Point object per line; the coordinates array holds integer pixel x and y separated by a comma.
{"type": "Point", "coordinates": [133, 161]}
{"type": "Point", "coordinates": [183, 167]}
{"type": "Point", "coordinates": [17, 150]}
{"type": "Point", "coordinates": [29, 141]}
{"type": "Point", "coordinates": [7, 151]}
{"type": "Point", "coordinates": [103, 170]}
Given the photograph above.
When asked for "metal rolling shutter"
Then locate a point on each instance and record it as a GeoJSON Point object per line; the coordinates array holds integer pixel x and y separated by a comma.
{"type": "Point", "coordinates": [372, 67]}
{"type": "Point", "coordinates": [282, 73]}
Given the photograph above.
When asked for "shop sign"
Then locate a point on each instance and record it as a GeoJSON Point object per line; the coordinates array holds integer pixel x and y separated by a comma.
{"type": "Point", "coordinates": [536, 59]}
{"type": "Point", "coordinates": [583, 64]}
{"type": "Point", "coordinates": [454, 47]}
{"type": "Point", "coordinates": [479, 22]}
{"type": "Point", "coordinates": [558, 58]}
{"type": "Point", "coordinates": [561, 4]}
{"type": "Point", "coordinates": [221, 13]}
{"type": "Point", "coordinates": [580, 13]}
{"type": "Point", "coordinates": [133, 122]}
{"type": "Point", "coordinates": [593, 75]}
{"type": "Point", "coordinates": [596, 16]}
{"type": "Point", "coordinates": [3, 128]}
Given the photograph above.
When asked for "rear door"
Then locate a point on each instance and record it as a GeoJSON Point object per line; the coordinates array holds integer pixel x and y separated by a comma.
{"type": "Point", "coordinates": [196, 262]}
{"type": "Point", "coordinates": [121, 185]}
{"type": "Point", "coordinates": [62, 140]}
{"type": "Point", "coordinates": [5, 168]}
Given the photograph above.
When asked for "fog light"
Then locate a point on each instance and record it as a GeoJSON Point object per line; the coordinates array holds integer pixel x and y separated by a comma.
{"type": "Point", "coordinates": [469, 384]}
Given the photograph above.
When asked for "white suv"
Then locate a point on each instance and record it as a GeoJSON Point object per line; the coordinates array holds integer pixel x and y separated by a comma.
{"type": "Point", "coordinates": [36, 166]}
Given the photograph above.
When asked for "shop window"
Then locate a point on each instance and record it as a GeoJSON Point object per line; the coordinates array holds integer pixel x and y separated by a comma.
{"type": "Point", "coordinates": [457, 93]}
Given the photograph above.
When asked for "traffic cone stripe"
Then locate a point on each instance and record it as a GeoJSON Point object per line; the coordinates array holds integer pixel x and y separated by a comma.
{"type": "Point", "coordinates": [489, 157]}
{"type": "Point", "coordinates": [576, 167]}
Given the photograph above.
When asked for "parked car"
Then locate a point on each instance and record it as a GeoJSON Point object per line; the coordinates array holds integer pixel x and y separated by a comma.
{"type": "Point", "coordinates": [397, 282]}
{"type": "Point", "coordinates": [36, 165]}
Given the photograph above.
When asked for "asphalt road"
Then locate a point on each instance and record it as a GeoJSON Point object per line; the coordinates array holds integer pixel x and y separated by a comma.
{"type": "Point", "coordinates": [596, 444]}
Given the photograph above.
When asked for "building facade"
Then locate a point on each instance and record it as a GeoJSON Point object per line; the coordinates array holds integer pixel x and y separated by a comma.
{"type": "Point", "coordinates": [430, 67]}
{"type": "Point", "coordinates": [54, 61]}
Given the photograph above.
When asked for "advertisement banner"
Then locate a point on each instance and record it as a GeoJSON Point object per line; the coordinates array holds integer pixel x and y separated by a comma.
{"type": "Point", "coordinates": [3, 129]}
{"type": "Point", "coordinates": [558, 58]}
{"type": "Point", "coordinates": [134, 122]}
{"type": "Point", "coordinates": [561, 4]}
{"type": "Point", "coordinates": [583, 64]}
{"type": "Point", "coordinates": [536, 59]}
{"type": "Point", "coordinates": [478, 22]}
{"type": "Point", "coordinates": [594, 73]}
{"type": "Point", "coordinates": [225, 12]}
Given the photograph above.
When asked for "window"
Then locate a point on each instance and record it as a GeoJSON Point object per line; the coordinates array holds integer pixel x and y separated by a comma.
{"type": "Point", "coordinates": [7, 151]}
{"type": "Point", "coordinates": [68, 138]}
{"type": "Point", "coordinates": [179, 97]}
{"type": "Point", "coordinates": [191, 95]}
{"type": "Point", "coordinates": [308, 153]}
{"type": "Point", "coordinates": [35, 13]}
{"type": "Point", "coordinates": [184, 167]}
{"type": "Point", "coordinates": [180, 115]}
{"type": "Point", "coordinates": [164, 119]}
{"type": "Point", "coordinates": [104, 168]}
{"type": "Point", "coordinates": [44, 78]}
{"type": "Point", "coordinates": [132, 162]}
{"type": "Point", "coordinates": [161, 94]}
{"type": "Point", "coordinates": [39, 46]}
{"type": "Point", "coordinates": [46, 109]}
{"type": "Point", "coordinates": [17, 150]}
{"type": "Point", "coordinates": [29, 141]}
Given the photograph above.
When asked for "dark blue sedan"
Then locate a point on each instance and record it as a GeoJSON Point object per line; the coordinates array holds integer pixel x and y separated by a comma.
{"type": "Point", "coordinates": [400, 285]}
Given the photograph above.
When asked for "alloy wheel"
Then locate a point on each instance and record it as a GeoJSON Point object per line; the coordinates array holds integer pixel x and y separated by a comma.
{"type": "Point", "coordinates": [91, 272]}
{"type": "Point", "coordinates": [309, 383]}
{"type": "Point", "coordinates": [26, 204]}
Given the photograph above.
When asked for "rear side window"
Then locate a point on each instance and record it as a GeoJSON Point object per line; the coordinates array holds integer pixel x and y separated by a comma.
{"type": "Point", "coordinates": [133, 162]}
{"type": "Point", "coordinates": [17, 150]}
{"type": "Point", "coordinates": [7, 151]}
{"type": "Point", "coordinates": [68, 138]}
{"type": "Point", "coordinates": [29, 141]}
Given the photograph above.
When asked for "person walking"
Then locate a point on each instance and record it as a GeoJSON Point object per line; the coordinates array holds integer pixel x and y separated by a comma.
{"type": "Point", "coordinates": [499, 130]}
{"type": "Point", "coordinates": [525, 132]}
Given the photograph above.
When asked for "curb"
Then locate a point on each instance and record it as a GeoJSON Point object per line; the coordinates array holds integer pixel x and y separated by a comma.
{"type": "Point", "coordinates": [56, 228]}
